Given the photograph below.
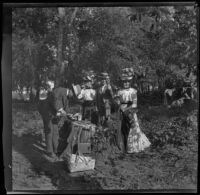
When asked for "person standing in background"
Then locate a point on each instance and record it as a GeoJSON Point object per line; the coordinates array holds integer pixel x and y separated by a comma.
{"type": "Point", "coordinates": [104, 97]}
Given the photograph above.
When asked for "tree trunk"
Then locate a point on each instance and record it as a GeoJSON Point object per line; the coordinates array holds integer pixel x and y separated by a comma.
{"type": "Point", "coordinates": [31, 99]}
{"type": "Point", "coordinates": [59, 69]}
{"type": "Point", "coordinates": [37, 98]}
{"type": "Point", "coordinates": [34, 95]}
{"type": "Point", "coordinates": [71, 34]}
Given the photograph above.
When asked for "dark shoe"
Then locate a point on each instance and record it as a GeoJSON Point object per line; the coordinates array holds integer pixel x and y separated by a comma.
{"type": "Point", "coordinates": [58, 159]}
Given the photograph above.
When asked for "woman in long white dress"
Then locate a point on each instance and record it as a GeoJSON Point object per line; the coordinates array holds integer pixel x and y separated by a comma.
{"type": "Point", "coordinates": [133, 139]}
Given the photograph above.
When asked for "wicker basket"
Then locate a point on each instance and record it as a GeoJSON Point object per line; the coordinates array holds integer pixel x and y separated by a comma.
{"type": "Point", "coordinates": [76, 163]}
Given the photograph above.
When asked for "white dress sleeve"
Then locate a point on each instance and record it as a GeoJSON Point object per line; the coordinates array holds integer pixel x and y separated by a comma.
{"type": "Point", "coordinates": [93, 93]}
{"type": "Point", "coordinates": [87, 94]}
{"type": "Point", "coordinates": [120, 95]}
{"type": "Point", "coordinates": [80, 96]}
{"type": "Point", "coordinates": [134, 98]}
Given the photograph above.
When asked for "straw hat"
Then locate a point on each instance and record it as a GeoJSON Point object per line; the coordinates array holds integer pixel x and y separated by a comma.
{"type": "Point", "coordinates": [127, 74]}
{"type": "Point", "coordinates": [126, 78]}
{"type": "Point", "coordinates": [128, 71]}
{"type": "Point", "coordinates": [91, 73]}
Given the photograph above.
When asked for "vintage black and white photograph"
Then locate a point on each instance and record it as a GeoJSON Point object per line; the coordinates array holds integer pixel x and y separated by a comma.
{"type": "Point", "coordinates": [105, 98]}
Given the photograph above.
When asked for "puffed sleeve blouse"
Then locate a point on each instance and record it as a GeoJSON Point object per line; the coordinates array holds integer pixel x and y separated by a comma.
{"type": "Point", "coordinates": [127, 96]}
{"type": "Point", "coordinates": [87, 94]}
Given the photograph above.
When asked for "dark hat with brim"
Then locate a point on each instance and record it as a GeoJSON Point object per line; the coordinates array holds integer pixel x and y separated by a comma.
{"type": "Point", "coordinates": [87, 78]}
{"type": "Point", "coordinates": [91, 74]}
{"type": "Point", "coordinates": [126, 78]}
{"type": "Point", "coordinates": [104, 75]}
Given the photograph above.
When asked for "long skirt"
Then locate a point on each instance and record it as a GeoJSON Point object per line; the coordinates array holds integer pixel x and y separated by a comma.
{"type": "Point", "coordinates": [134, 139]}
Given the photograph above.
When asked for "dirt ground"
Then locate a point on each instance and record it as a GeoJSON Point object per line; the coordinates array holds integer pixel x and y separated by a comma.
{"type": "Point", "coordinates": [33, 170]}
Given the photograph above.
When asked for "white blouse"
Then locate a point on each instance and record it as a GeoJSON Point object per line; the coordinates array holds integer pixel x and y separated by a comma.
{"type": "Point", "coordinates": [87, 94]}
{"type": "Point", "coordinates": [128, 95]}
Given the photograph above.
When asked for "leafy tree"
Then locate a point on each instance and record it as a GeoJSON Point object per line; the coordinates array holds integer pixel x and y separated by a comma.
{"type": "Point", "coordinates": [159, 43]}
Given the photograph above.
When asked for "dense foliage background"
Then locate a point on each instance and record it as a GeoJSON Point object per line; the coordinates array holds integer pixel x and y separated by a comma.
{"type": "Point", "coordinates": [160, 43]}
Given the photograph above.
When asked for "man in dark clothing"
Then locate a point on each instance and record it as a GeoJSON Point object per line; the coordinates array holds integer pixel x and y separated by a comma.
{"type": "Point", "coordinates": [54, 106]}
{"type": "Point", "coordinates": [48, 112]}
{"type": "Point", "coordinates": [104, 97]}
{"type": "Point", "coordinates": [61, 102]}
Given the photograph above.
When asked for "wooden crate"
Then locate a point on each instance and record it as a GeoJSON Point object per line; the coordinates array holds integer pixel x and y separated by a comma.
{"type": "Point", "coordinates": [86, 131]}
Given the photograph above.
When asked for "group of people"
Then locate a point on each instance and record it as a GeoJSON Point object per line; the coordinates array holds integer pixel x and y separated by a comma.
{"type": "Point", "coordinates": [98, 98]}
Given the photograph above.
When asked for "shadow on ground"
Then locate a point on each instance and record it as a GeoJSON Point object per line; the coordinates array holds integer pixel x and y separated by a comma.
{"type": "Point", "coordinates": [29, 146]}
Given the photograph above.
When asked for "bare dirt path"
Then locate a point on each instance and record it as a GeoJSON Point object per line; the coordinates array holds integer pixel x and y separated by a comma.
{"type": "Point", "coordinates": [33, 170]}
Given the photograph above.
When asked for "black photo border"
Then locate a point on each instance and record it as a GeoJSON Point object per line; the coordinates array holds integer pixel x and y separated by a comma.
{"type": "Point", "coordinates": [6, 74]}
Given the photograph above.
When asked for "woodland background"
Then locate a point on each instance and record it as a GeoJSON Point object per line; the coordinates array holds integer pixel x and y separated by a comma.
{"type": "Point", "coordinates": [160, 43]}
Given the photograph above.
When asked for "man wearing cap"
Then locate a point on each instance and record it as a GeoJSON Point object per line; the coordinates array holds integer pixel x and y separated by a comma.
{"type": "Point", "coordinates": [104, 97]}
{"type": "Point", "coordinates": [132, 138]}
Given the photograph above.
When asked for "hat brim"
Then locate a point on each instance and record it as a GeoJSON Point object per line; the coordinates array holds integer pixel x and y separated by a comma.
{"type": "Point", "coordinates": [87, 78]}
{"type": "Point", "coordinates": [104, 75]}
{"type": "Point", "coordinates": [126, 78]}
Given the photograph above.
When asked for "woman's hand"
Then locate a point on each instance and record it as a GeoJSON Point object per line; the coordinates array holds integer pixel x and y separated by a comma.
{"type": "Point", "coordinates": [127, 108]}
{"type": "Point", "coordinates": [109, 87]}
{"type": "Point", "coordinates": [117, 100]}
{"type": "Point", "coordinates": [61, 112]}
{"type": "Point", "coordinates": [58, 114]}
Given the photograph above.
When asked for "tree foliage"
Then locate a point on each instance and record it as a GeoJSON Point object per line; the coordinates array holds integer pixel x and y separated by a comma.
{"type": "Point", "coordinates": [160, 43]}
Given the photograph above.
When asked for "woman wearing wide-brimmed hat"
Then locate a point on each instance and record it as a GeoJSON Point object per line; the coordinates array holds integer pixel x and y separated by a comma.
{"type": "Point", "coordinates": [132, 138]}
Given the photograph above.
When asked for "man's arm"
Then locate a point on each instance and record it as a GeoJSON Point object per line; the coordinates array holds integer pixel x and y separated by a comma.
{"type": "Point", "coordinates": [80, 96]}
{"type": "Point", "coordinates": [50, 102]}
{"type": "Point", "coordinates": [58, 102]}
